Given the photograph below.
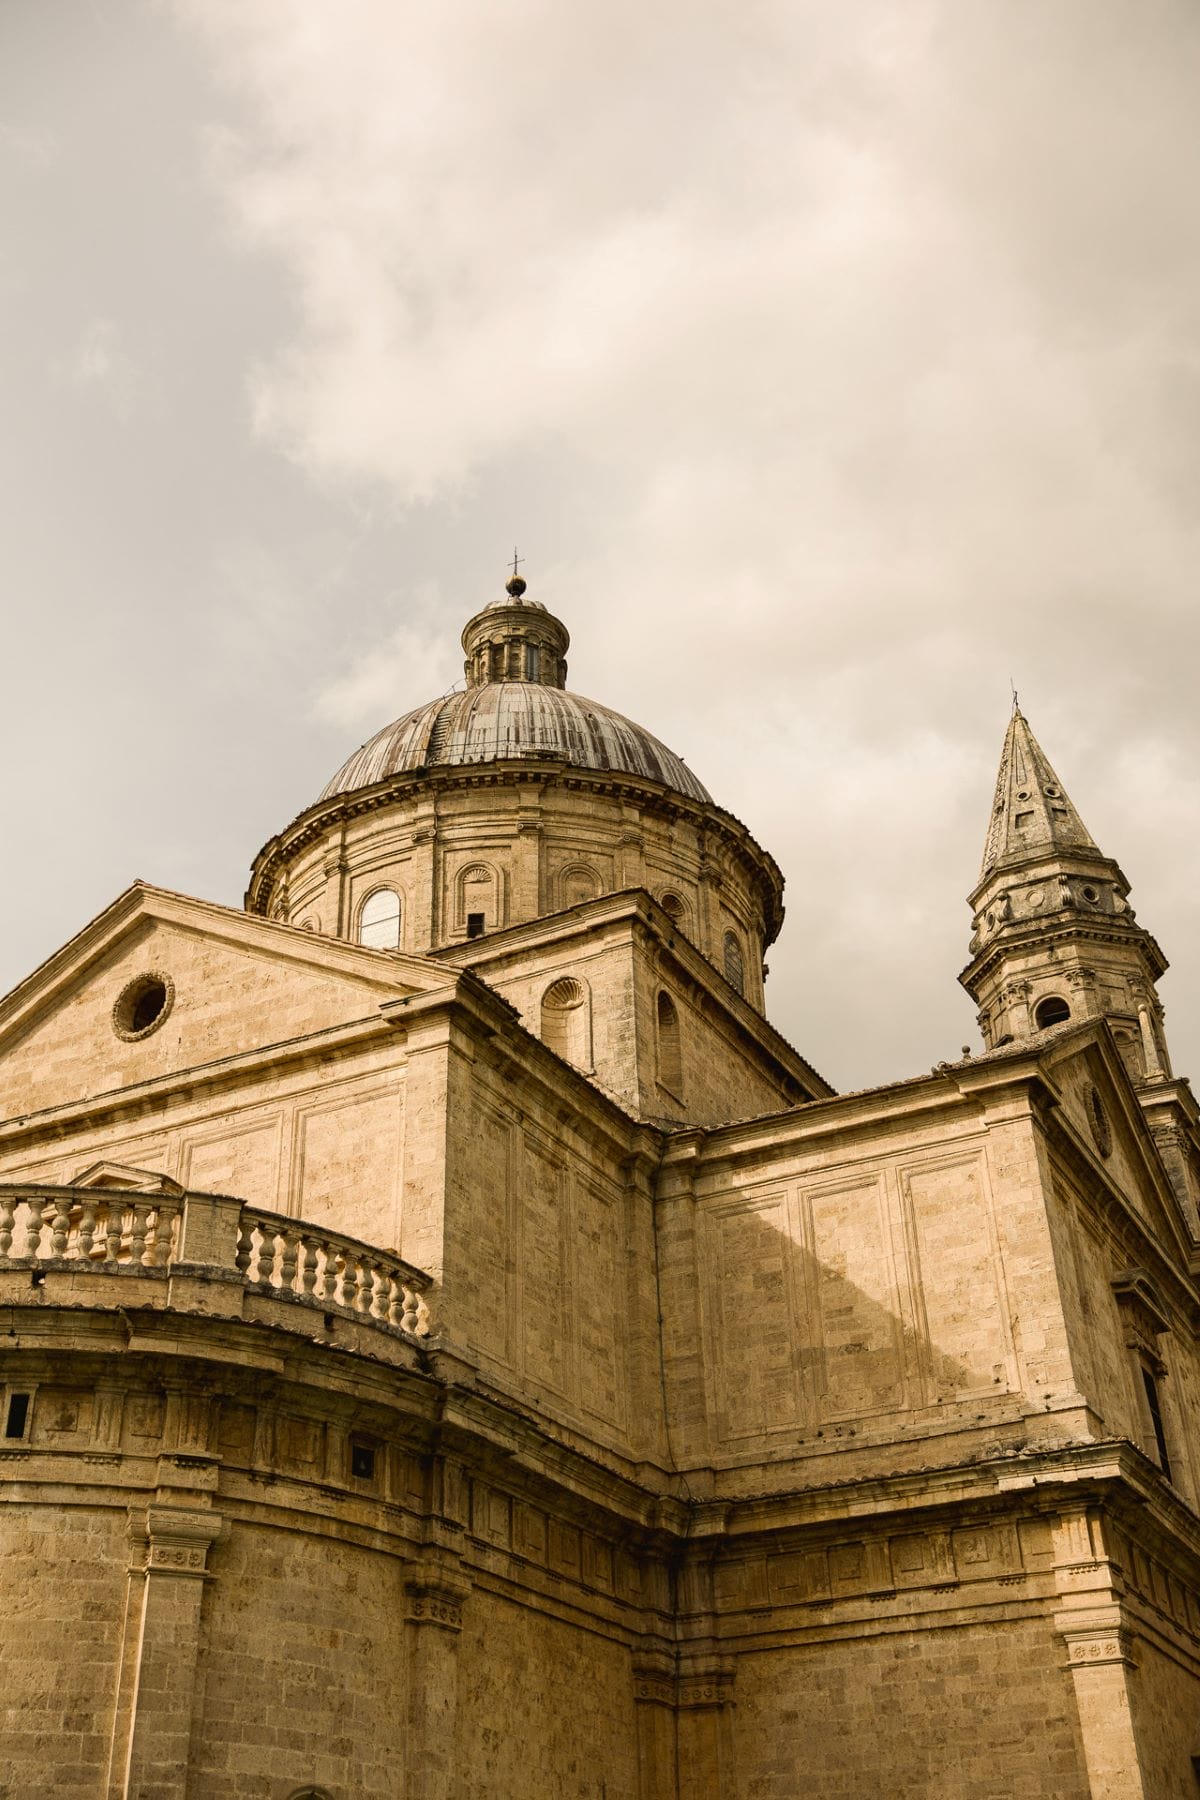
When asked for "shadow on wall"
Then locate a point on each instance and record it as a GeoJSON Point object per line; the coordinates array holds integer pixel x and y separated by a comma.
{"type": "Point", "coordinates": [822, 1310]}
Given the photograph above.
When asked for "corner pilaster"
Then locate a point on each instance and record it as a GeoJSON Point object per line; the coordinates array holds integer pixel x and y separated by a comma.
{"type": "Point", "coordinates": [1095, 1632]}
{"type": "Point", "coordinates": [152, 1730]}
{"type": "Point", "coordinates": [434, 1593]}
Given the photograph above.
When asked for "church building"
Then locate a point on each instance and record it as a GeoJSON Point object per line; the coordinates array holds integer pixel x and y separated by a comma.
{"type": "Point", "coordinates": [454, 1348]}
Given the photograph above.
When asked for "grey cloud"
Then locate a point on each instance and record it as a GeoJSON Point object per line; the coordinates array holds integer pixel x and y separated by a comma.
{"type": "Point", "coordinates": [832, 364]}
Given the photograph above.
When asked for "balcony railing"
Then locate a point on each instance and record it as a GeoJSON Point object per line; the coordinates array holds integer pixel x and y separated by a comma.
{"type": "Point", "coordinates": [116, 1230]}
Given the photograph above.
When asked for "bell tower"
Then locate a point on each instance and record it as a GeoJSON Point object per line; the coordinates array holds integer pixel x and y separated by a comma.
{"type": "Point", "coordinates": [1055, 937]}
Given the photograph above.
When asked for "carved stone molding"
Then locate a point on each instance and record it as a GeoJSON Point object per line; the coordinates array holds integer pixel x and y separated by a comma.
{"type": "Point", "coordinates": [653, 1686]}
{"type": "Point", "coordinates": [434, 1595]}
{"type": "Point", "coordinates": [713, 1687]}
{"type": "Point", "coordinates": [433, 1606]}
{"type": "Point", "coordinates": [657, 1682]}
{"type": "Point", "coordinates": [175, 1541]}
{"type": "Point", "coordinates": [1097, 1650]}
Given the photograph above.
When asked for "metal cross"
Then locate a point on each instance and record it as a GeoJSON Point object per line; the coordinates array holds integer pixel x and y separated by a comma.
{"type": "Point", "coordinates": [516, 559]}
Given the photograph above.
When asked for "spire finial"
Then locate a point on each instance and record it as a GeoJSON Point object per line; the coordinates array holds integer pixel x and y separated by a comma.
{"type": "Point", "coordinates": [515, 584]}
{"type": "Point", "coordinates": [1016, 703]}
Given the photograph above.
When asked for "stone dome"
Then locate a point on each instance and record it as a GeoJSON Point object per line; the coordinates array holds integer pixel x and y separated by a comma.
{"type": "Point", "coordinates": [513, 800]}
{"type": "Point", "coordinates": [506, 720]}
{"type": "Point", "coordinates": [515, 707]}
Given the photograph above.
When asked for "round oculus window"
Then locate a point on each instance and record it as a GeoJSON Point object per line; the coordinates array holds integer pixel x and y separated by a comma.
{"type": "Point", "coordinates": [142, 1005]}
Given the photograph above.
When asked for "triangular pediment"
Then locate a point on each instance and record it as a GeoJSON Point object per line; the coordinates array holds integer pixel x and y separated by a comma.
{"type": "Point", "coordinates": [160, 983]}
{"type": "Point", "coordinates": [1099, 1104]}
{"type": "Point", "coordinates": [113, 1175]}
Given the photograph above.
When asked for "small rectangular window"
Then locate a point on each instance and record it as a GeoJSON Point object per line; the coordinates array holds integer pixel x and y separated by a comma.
{"type": "Point", "coordinates": [474, 925]}
{"type": "Point", "coordinates": [1156, 1419]}
{"type": "Point", "coordinates": [17, 1416]}
{"type": "Point", "coordinates": [362, 1462]}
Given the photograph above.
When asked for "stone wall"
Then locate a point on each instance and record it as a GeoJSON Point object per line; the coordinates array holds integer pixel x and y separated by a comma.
{"type": "Point", "coordinates": [545, 1710]}
{"type": "Point", "coordinates": [301, 1673]}
{"type": "Point", "coordinates": [60, 1643]}
{"type": "Point", "coordinates": [968, 1714]}
{"type": "Point", "coordinates": [828, 1289]}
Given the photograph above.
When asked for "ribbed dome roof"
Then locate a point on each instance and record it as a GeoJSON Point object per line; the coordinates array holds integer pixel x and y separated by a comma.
{"type": "Point", "coordinates": [504, 719]}
{"type": "Point", "coordinates": [516, 706]}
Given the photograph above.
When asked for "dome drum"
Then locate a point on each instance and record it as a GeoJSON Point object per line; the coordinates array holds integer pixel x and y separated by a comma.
{"type": "Point", "coordinates": [535, 842]}
{"type": "Point", "coordinates": [553, 798]}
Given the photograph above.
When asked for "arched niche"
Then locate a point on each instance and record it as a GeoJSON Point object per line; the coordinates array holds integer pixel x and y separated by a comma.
{"type": "Point", "coordinates": [676, 909]}
{"type": "Point", "coordinates": [567, 1020]}
{"type": "Point", "coordinates": [577, 882]}
{"type": "Point", "coordinates": [670, 1049]}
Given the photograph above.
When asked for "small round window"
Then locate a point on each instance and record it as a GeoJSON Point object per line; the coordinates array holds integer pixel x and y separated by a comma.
{"type": "Point", "coordinates": [142, 1005]}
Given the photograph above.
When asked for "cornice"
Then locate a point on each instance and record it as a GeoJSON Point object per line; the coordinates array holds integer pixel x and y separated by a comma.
{"type": "Point", "coordinates": [311, 825]}
{"type": "Point", "coordinates": [1019, 935]}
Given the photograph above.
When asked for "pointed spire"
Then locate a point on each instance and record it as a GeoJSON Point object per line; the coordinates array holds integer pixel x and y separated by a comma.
{"type": "Point", "coordinates": [1031, 811]}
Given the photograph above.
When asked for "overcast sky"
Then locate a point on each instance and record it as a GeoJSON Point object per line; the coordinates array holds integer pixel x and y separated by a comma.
{"type": "Point", "coordinates": [830, 364]}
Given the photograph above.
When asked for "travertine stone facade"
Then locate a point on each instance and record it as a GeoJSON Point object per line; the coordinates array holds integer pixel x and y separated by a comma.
{"type": "Point", "coordinates": [486, 1362]}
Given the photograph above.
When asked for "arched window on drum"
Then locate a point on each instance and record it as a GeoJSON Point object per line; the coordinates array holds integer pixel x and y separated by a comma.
{"type": "Point", "coordinates": [567, 1020]}
{"type": "Point", "coordinates": [477, 909]}
{"type": "Point", "coordinates": [735, 963]}
{"type": "Point", "coordinates": [379, 920]}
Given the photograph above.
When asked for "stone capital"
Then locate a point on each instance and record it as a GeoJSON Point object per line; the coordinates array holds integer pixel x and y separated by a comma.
{"type": "Point", "coordinates": [174, 1540]}
{"type": "Point", "coordinates": [1095, 1637]}
{"type": "Point", "coordinates": [705, 1684]}
{"type": "Point", "coordinates": [434, 1594]}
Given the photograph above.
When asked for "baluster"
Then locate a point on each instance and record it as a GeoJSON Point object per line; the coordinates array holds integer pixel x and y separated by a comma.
{"type": "Point", "coordinates": [137, 1233]}
{"type": "Point", "coordinates": [349, 1281]}
{"type": "Point", "coordinates": [266, 1255]}
{"type": "Point", "coordinates": [245, 1247]}
{"type": "Point", "coordinates": [329, 1275]}
{"type": "Point", "coordinates": [165, 1215]}
{"type": "Point", "coordinates": [287, 1264]}
{"type": "Point", "coordinates": [87, 1228]}
{"type": "Point", "coordinates": [61, 1227]}
{"type": "Point", "coordinates": [395, 1299]}
{"type": "Point", "coordinates": [368, 1293]}
{"type": "Point", "coordinates": [375, 1293]}
{"type": "Point", "coordinates": [414, 1320]}
{"type": "Point", "coordinates": [8, 1213]}
{"type": "Point", "coordinates": [33, 1230]}
{"type": "Point", "coordinates": [114, 1230]}
{"type": "Point", "coordinates": [308, 1275]}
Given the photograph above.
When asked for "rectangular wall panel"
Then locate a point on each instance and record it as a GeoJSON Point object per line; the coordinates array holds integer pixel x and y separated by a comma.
{"type": "Point", "coordinates": [959, 1277]}
{"type": "Point", "coordinates": [600, 1309]}
{"type": "Point", "coordinates": [749, 1276]}
{"type": "Point", "coordinates": [859, 1363]}
{"type": "Point", "coordinates": [547, 1296]}
{"type": "Point", "coordinates": [347, 1164]}
{"type": "Point", "coordinates": [229, 1161]}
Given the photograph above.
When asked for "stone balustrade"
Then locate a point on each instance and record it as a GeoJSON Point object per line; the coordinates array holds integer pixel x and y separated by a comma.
{"type": "Point", "coordinates": [120, 1231]}
{"type": "Point", "coordinates": [95, 1225]}
{"type": "Point", "coordinates": [285, 1255]}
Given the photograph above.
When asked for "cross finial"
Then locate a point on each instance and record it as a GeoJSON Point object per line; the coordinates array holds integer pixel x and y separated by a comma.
{"type": "Point", "coordinates": [516, 583]}
{"type": "Point", "coordinates": [1012, 684]}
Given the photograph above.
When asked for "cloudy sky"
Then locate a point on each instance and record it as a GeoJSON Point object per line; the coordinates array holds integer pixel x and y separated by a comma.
{"type": "Point", "coordinates": [831, 365]}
